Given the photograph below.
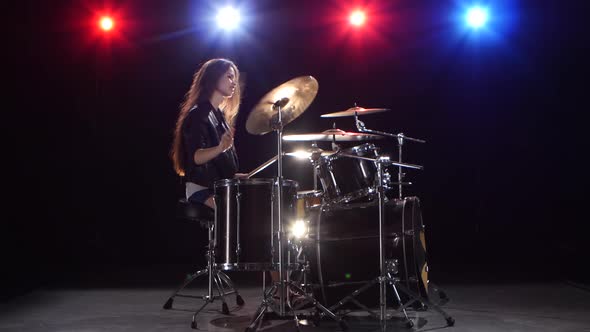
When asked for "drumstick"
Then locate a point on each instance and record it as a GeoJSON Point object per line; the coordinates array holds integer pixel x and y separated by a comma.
{"type": "Point", "coordinates": [263, 166]}
{"type": "Point", "coordinates": [227, 129]}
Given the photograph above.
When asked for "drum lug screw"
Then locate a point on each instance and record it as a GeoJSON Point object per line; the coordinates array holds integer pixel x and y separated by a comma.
{"type": "Point", "coordinates": [392, 266]}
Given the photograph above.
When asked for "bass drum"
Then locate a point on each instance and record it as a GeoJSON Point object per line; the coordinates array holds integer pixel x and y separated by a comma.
{"type": "Point", "coordinates": [343, 251]}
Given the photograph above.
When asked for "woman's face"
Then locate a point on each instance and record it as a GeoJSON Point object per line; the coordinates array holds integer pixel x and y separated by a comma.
{"type": "Point", "coordinates": [227, 83]}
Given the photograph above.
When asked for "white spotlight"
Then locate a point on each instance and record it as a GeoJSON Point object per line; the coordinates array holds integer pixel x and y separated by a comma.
{"type": "Point", "coordinates": [228, 18]}
{"type": "Point", "coordinates": [477, 17]}
{"type": "Point", "coordinates": [357, 18]}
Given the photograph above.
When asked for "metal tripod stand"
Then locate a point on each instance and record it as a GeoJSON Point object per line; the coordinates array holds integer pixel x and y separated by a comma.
{"type": "Point", "coordinates": [284, 285]}
{"type": "Point", "coordinates": [222, 282]}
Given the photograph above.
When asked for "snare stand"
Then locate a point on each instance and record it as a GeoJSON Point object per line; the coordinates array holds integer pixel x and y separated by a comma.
{"type": "Point", "coordinates": [283, 285]}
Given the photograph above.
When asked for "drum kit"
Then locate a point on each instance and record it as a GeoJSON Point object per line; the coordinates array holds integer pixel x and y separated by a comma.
{"type": "Point", "coordinates": [312, 238]}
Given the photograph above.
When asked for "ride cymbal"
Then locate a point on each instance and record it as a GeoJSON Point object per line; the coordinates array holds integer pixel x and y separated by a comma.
{"type": "Point", "coordinates": [351, 111]}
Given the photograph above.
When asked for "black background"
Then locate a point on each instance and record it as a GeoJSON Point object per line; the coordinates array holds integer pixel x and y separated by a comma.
{"type": "Point", "coordinates": [90, 121]}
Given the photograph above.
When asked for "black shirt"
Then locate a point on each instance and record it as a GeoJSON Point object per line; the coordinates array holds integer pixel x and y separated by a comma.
{"type": "Point", "coordinates": [203, 128]}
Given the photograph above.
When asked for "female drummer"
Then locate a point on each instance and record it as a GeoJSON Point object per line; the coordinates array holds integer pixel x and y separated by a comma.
{"type": "Point", "coordinates": [203, 150]}
{"type": "Point", "coordinates": [203, 147]}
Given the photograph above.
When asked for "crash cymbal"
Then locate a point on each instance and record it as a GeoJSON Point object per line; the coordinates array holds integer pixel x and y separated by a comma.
{"type": "Point", "coordinates": [358, 110]}
{"type": "Point", "coordinates": [293, 97]}
{"type": "Point", "coordinates": [332, 135]}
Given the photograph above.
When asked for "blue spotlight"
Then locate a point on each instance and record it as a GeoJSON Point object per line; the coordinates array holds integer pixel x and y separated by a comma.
{"type": "Point", "coordinates": [228, 18]}
{"type": "Point", "coordinates": [476, 17]}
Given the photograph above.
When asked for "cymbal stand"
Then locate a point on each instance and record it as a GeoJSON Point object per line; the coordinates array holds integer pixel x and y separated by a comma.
{"type": "Point", "coordinates": [400, 142]}
{"type": "Point", "coordinates": [314, 158]}
{"type": "Point", "coordinates": [283, 285]}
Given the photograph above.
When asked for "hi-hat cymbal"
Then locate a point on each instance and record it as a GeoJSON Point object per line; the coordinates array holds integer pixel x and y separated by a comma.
{"type": "Point", "coordinates": [293, 97]}
{"type": "Point", "coordinates": [332, 135]}
{"type": "Point", "coordinates": [311, 152]}
{"type": "Point", "coordinates": [359, 111]}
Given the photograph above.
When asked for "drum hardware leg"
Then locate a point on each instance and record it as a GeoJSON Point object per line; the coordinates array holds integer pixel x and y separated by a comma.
{"type": "Point", "coordinates": [194, 320]}
{"type": "Point", "coordinates": [362, 306]}
{"type": "Point", "coordinates": [268, 301]}
{"type": "Point", "coordinates": [295, 318]}
{"type": "Point", "coordinates": [302, 282]}
{"type": "Point", "coordinates": [217, 277]}
{"type": "Point", "coordinates": [393, 282]}
{"type": "Point", "coordinates": [188, 280]}
{"type": "Point", "coordinates": [292, 287]}
{"type": "Point", "coordinates": [214, 276]}
{"type": "Point", "coordinates": [450, 320]}
{"type": "Point", "coordinates": [352, 298]}
{"type": "Point", "coordinates": [209, 298]}
{"type": "Point", "coordinates": [341, 323]}
{"type": "Point", "coordinates": [230, 284]}
{"type": "Point", "coordinates": [441, 293]}
{"type": "Point", "coordinates": [220, 290]}
{"type": "Point", "coordinates": [226, 289]}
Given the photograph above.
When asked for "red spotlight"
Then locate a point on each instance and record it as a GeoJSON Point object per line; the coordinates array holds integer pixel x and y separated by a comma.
{"type": "Point", "coordinates": [106, 23]}
{"type": "Point", "coordinates": [357, 18]}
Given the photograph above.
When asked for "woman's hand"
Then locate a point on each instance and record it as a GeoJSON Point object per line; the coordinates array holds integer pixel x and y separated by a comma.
{"type": "Point", "coordinates": [227, 141]}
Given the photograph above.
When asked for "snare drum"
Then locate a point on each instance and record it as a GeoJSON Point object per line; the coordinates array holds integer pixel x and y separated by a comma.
{"type": "Point", "coordinates": [308, 200]}
{"type": "Point", "coordinates": [244, 227]}
{"type": "Point", "coordinates": [346, 179]}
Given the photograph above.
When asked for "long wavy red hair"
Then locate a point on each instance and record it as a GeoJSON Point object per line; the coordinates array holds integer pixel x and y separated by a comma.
{"type": "Point", "coordinates": [204, 84]}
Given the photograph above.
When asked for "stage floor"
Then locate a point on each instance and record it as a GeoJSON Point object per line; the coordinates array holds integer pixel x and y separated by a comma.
{"type": "Point", "coordinates": [535, 306]}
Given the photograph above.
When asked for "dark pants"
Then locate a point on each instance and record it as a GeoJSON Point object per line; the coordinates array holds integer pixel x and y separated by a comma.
{"type": "Point", "coordinates": [200, 196]}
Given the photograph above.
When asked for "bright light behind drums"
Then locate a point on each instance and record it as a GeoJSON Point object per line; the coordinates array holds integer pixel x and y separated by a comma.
{"type": "Point", "coordinates": [300, 154]}
{"type": "Point", "coordinates": [299, 229]}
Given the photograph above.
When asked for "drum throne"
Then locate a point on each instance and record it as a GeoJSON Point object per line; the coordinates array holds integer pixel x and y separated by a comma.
{"type": "Point", "coordinates": [205, 216]}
